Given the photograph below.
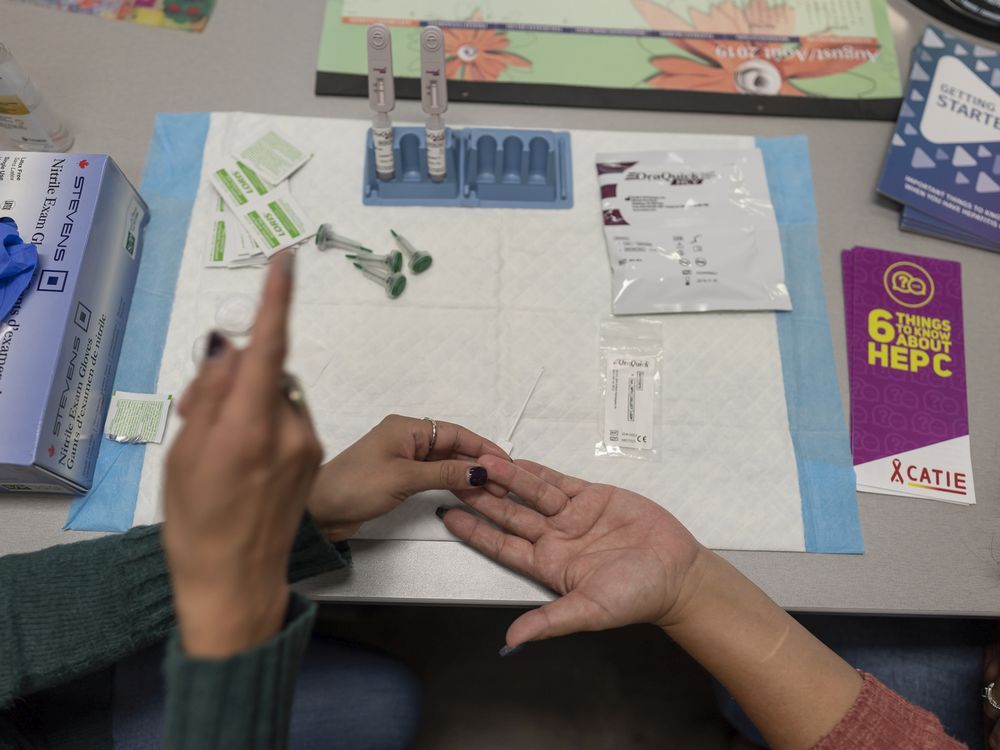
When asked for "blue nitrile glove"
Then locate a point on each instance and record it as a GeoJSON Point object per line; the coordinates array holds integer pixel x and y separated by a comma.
{"type": "Point", "coordinates": [18, 260]}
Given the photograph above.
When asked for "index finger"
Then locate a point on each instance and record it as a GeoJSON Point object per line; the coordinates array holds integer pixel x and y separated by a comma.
{"type": "Point", "coordinates": [570, 485]}
{"type": "Point", "coordinates": [547, 499]}
{"type": "Point", "coordinates": [257, 382]}
{"type": "Point", "coordinates": [454, 439]}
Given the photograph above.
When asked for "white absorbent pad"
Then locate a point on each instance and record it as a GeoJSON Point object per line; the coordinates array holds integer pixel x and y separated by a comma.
{"type": "Point", "coordinates": [510, 291]}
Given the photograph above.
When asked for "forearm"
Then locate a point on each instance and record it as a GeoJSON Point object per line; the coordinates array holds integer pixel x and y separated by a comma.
{"type": "Point", "coordinates": [243, 701]}
{"type": "Point", "coordinates": [77, 608]}
{"type": "Point", "coordinates": [794, 689]}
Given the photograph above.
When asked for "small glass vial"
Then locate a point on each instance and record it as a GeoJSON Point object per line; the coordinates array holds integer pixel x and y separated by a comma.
{"type": "Point", "coordinates": [26, 121]}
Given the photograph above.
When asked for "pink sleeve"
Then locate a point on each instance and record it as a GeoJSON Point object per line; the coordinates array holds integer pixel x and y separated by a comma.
{"type": "Point", "coordinates": [881, 719]}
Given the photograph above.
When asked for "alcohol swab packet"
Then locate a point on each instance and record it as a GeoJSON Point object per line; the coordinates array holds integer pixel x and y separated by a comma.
{"type": "Point", "coordinates": [273, 155]}
{"type": "Point", "coordinates": [230, 245]}
{"type": "Point", "coordinates": [137, 417]}
{"type": "Point", "coordinates": [271, 215]}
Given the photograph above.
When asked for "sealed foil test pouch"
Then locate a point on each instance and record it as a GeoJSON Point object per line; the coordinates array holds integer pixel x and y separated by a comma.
{"type": "Point", "coordinates": [631, 358]}
{"type": "Point", "coordinates": [691, 231]}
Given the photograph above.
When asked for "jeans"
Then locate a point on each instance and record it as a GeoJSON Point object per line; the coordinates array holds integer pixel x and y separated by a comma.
{"type": "Point", "coordinates": [346, 697]}
{"type": "Point", "coordinates": [935, 664]}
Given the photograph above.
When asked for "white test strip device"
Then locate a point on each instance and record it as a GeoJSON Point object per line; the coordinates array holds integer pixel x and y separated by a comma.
{"type": "Point", "coordinates": [381, 98]}
{"type": "Point", "coordinates": [434, 98]}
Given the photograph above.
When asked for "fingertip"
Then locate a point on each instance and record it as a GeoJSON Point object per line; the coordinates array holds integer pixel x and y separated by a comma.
{"type": "Point", "coordinates": [455, 520]}
{"type": "Point", "coordinates": [494, 463]}
{"type": "Point", "coordinates": [282, 267]}
{"type": "Point", "coordinates": [477, 476]}
{"type": "Point", "coordinates": [521, 631]}
{"type": "Point", "coordinates": [495, 489]}
{"type": "Point", "coordinates": [288, 262]}
{"type": "Point", "coordinates": [492, 449]}
{"type": "Point", "coordinates": [275, 297]}
{"type": "Point", "coordinates": [508, 650]}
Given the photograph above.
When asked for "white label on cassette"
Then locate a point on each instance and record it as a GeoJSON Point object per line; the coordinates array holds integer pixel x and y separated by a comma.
{"type": "Point", "coordinates": [629, 406]}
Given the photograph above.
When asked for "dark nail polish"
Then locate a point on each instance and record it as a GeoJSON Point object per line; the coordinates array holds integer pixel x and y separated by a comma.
{"type": "Point", "coordinates": [477, 476]}
{"type": "Point", "coordinates": [215, 345]}
{"type": "Point", "coordinates": [442, 509]}
{"type": "Point", "coordinates": [508, 651]}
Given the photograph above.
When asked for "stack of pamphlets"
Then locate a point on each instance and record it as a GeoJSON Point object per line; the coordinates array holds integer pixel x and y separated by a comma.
{"type": "Point", "coordinates": [906, 362]}
{"type": "Point", "coordinates": [944, 161]}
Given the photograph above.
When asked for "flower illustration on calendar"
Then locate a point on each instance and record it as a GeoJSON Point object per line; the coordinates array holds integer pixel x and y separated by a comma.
{"type": "Point", "coordinates": [479, 54]}
{"type": "Point", "coordinates": [748, 48]}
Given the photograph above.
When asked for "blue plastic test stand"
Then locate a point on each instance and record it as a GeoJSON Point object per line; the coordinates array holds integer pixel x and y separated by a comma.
{"type": "Point", "coordinates": [486, 168]}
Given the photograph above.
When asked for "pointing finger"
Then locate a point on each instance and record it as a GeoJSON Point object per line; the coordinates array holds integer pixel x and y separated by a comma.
{"type": "Point", "coordinates": [536, 492]}
{"type": "Point", "coordinates": [257, 386]}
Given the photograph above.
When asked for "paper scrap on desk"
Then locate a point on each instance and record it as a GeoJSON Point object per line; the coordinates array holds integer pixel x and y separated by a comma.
{"type": "Point", "coordinates": [272, 155]}
{"type": "Point", "coordinates": [230, 245]}
{"type": "Point", "coordinates": [272, 216]}
{"type": "Point", "coordinates": [906, 360]}
{"type": "Point", "coordinates": [137, 417]}
{"type": "Point", "coordinates": [168, 14]}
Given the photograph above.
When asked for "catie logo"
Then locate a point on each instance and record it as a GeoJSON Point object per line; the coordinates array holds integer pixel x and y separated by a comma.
{"type": "Point", "coordinates": [929, 478]}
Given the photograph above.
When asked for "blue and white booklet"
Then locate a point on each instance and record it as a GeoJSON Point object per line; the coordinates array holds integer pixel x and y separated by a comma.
{"type": "Point", "coordinates": [944, 161]}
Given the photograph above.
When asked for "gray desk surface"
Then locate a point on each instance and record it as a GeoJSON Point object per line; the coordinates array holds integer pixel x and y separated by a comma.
{"type": "Point", "coordinates": [110, 78]}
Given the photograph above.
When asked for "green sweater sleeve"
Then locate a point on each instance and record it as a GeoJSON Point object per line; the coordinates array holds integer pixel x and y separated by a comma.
{"type": "Point", "coordinates": [243, 702]}
{"type": "Point", "coordinates": [76, 608]}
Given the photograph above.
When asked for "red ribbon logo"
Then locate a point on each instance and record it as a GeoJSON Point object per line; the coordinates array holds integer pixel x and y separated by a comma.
{"type": "Point", "coordinates": [897, 476]}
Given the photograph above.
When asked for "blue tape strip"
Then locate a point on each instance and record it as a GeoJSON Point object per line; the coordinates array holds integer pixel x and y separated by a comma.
{"type": "Point", "coordinates": [169, 185]}
{"type": "Point", "coordinates": [815, 414]}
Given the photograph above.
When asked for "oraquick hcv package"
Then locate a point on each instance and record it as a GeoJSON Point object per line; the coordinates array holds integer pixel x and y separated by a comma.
{"type": "Point", "coordinates": [59, 343]}
{"type": "Point", "coordinates": [691, 231]}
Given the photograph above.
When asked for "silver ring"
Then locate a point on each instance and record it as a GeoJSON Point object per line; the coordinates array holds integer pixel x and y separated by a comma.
{"type": "Point", "coordinates": [988, 696]}
{"type": "Point", "coordinates": [292, 389]}
{"type": "Point", "coordinates": [434, 438]}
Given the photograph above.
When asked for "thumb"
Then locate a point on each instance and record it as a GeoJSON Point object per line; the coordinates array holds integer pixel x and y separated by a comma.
{"type": "Point", "coordinates": [571, 613]}
{"type": "Point", "coordinates": [444, 475]}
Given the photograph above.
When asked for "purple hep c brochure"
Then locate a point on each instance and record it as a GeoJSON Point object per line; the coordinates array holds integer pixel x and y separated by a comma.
{"type": "Point", "coordinates": [906, 358]}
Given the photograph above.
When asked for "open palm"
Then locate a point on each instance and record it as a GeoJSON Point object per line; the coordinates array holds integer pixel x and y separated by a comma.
{"type": "Point", "coordinates": [615, 557]}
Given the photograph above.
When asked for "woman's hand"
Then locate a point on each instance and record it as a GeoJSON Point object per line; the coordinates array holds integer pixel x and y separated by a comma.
{"type": "Point", "coordinates": [618, 558]}
{"type": "Point", "coordinates": [615, 557]}
{"type": "Point", "coordinates": [237, 479]}
{"type": "Point", "coordinates": [391, 463]}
